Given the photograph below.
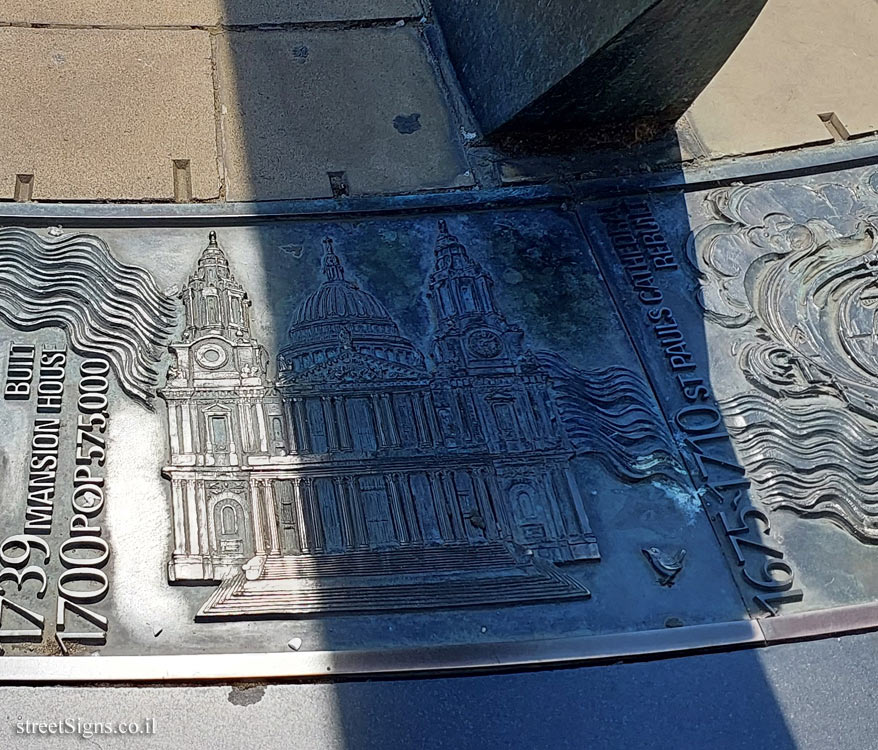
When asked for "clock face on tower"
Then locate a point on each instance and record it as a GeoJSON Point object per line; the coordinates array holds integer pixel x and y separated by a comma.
{"type": "Point", "coordinates": [211, 356]}
{"type": "Point", "coordinates": [484, 344]}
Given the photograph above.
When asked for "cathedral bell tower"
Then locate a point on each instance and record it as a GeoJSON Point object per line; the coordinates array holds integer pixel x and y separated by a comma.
{"type": "Point", "coordinates": [224, 417]}
{"type": "Point", "coordinates": [216, 389]}
{"type": "Point", "coordinates": [215, 303]}
{"type": "Point", "coordinates": [470, 334]}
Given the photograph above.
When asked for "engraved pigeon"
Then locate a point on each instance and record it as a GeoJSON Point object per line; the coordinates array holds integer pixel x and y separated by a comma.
{"type": "Point", "coordinates": [665, 564]}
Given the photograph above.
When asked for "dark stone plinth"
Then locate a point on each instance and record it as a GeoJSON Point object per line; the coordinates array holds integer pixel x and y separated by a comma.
{"type": "Point", "coordinates": [529, 65]}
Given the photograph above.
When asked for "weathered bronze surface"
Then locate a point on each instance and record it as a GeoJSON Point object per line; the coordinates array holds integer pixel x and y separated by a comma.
{"type": "Point", "coordinates": [759, 340]}
{"type": "Point", "coordinates": [378, 432]}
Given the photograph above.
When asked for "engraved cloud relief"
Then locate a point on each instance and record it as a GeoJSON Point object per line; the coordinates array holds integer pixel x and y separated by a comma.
{"type": "Point", "coordinates": [792, 273]}
{"type": "Point", "coordinates": [106, 308]}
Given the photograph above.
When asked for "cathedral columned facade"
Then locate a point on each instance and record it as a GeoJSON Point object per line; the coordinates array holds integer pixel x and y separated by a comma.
{"type": "Point", "coordinates": [353, 454]}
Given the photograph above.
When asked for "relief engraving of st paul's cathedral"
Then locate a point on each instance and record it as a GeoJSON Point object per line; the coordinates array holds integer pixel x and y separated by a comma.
{"type": "Point", "coordinates": [362, 479]}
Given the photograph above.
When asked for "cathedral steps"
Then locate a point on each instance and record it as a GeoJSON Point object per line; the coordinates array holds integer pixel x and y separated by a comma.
{"type": "Point", "coordinates": [399, 580]}
{"type": "Point", "coordinates": [421, 560]}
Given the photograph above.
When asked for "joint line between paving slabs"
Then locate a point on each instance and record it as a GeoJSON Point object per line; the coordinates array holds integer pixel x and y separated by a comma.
{"type": "Point", "coordinates": [217, 28]}
{"type": "Point", "coordinates": [218, 118]}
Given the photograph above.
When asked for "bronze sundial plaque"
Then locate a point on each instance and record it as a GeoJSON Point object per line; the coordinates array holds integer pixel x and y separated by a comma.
{"type": "Point", "coordinates": [385, 434]}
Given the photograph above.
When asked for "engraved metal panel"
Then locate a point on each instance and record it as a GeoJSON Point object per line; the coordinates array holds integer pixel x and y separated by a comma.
{"type": "Point", "coordinates": [347, 433]}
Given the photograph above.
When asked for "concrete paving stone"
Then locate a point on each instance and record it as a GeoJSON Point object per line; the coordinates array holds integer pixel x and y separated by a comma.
{"type": "Point", "coordinates": [97, 114]}
{"type": "Point", "coordinates": [300, 11]}
{"type": "Point", "coordinates": [113, 12]}
{"type": "Point", "coordinates": [802, 58]}
{"type": "Point", "coordinates": [200, 12]}
{"type": "Point", "coordinates": [297, 105]}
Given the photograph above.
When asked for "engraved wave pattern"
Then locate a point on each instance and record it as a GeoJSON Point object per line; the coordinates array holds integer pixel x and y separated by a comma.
{"type": "Point", "coordinates": [814, 460]}
{"type": "Point", "coordinates": [108, 309]}
{"type": "Point", "coordinates": [611, 414]}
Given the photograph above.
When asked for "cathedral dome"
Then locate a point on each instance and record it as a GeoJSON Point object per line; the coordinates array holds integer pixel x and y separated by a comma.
{"type": "Point", "coordinates": [339, 315]}
{"type": "Point", "coordinates": [338, 299]}
{"type": "Point", "coordinates": [338, 302]}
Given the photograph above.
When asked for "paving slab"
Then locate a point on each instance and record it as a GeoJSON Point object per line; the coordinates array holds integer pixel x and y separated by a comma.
{"type": "Point", "coordinates": [801, 59]}
{"type": "Point", "coordinates": [297, 105]}
{"type": "Point", "coordinates": [200, 12]}
{"type": "Point", "coordinates": [101, 115]}
{"type": "Point", "coordinates": [111, 13]}
{"type": "Point", "coordinates": [299, 11]}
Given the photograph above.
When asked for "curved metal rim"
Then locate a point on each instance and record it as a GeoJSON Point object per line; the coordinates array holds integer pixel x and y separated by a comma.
{"type": "Point", "coordinates": [482, 657]}
{"type": "Point", "coordinates": [442, 660]}
{"type": "Point", "coordinates": [688, 177]}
